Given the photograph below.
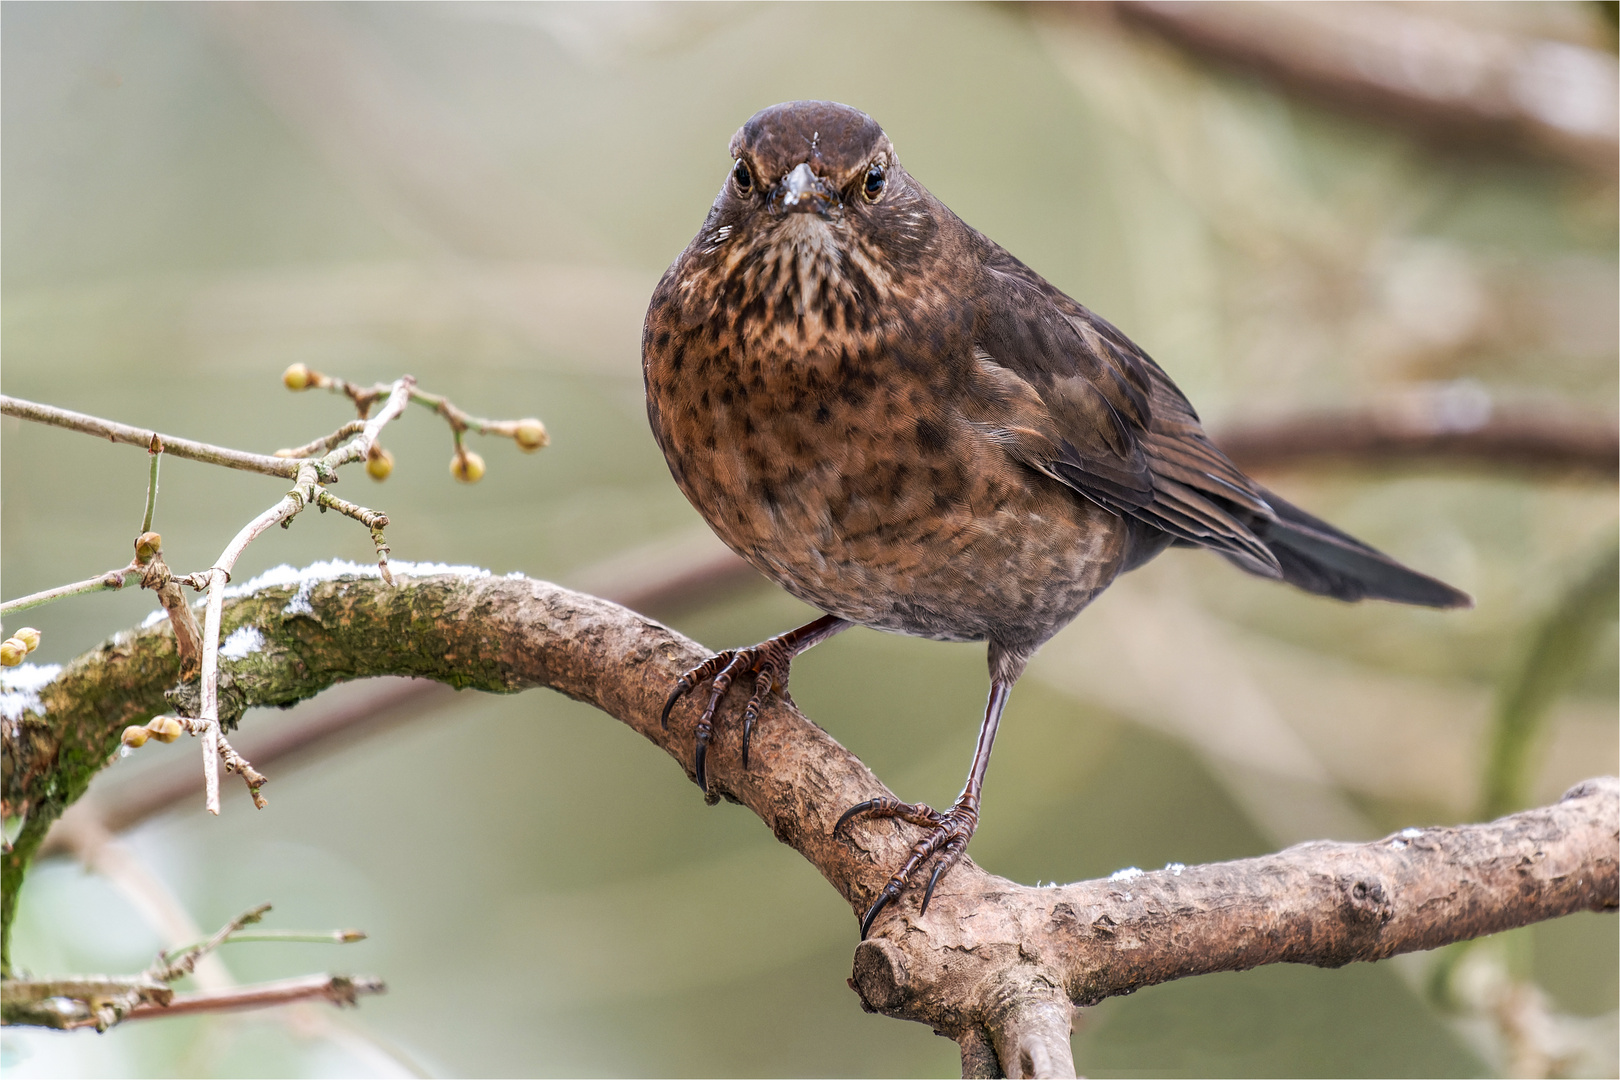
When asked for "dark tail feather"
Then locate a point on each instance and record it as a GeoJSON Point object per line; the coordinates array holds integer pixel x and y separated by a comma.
{"type": "Point", "coordinates": [1320, 559]}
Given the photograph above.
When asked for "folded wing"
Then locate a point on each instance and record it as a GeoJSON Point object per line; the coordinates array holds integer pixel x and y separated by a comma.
{"type": "Point", "coordinates": [1078, 401]}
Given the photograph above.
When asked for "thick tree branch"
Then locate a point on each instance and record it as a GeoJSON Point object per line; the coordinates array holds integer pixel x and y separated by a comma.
{"type": "Point", "coordinates": [994, 963]}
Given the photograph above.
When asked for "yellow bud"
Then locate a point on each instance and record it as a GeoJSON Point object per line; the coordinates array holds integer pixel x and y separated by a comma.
{"type": "Point", "coordinates": [12, 652]}
{"type": "Point", "coordinates": [148, 545]}
{"type": "Point", "coordinates": [467, 467]}
{"type": "Point", "coordinates": [164, 728]}
{"type": "Point", "coordinates": [297, 377]}
{"type": "Point", "coordinates": [135, 736]}
{"type": "Point", "coordinates": [531, 435]}
{"type": "Point", "coordinates": [28, 636]}
{"type": "Point", "coordinates": [379, 463]}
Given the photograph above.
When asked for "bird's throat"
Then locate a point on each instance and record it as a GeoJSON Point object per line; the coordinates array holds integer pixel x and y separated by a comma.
{"type": "Point", "coordinates": [804, 279]}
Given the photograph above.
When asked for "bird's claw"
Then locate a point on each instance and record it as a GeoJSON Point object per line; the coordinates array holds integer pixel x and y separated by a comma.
{"type": "Point", "coordinates": [769, 671]}
{"type": "Point", "coordinates": [948, 835]}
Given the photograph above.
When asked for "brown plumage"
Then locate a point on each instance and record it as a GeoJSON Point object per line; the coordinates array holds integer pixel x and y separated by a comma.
{"type": "Point", "coordinates": [906, 427]}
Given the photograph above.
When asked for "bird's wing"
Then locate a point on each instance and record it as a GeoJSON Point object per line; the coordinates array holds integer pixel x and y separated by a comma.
{"type": "Point", "coordinates": [1075, 399]}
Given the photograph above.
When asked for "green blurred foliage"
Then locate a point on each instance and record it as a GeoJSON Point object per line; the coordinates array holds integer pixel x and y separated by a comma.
{"type": "Point", "coordinates": [1560, 650]}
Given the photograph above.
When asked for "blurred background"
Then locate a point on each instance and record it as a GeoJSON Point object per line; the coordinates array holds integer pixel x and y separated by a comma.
{"type": "Point", "coordinates": [1406, 213]}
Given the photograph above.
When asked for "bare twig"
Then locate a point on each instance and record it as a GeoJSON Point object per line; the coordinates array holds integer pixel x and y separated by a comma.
{"type": "Point", "coordinates": [111, 581]}
{"type": "Point", "coordinates": [168, 968]}
{"type": "Point", "coordinates": [142, 437]}
{"type": "Point", "coordinates": [234, 762]}
{"type": "Point", "coordinates": [529, 433]}
{"type": "Point", "coordinates": [374, 520]}
{"type": "Point", "coordinates": [306, 937]}
{"type": "Point", "coordinates": [301, 495]}
{"type": "Point", "coordinates": [158, 577]}
{"type": "Point", "coordinates": [322, 445]}
{"type": "Point", "coordinates": [154, 450]}
{"type": "Point", "coordinates": [101, 1001]}
{"type": "Point", "coordinates": [100, 851]}
{"type": "Point", "coordinates": [97, 1001]}
{"type": "Point", "coordinates": [338, 989]}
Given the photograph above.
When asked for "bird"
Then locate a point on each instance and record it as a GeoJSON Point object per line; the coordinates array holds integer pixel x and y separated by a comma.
{"type": "Point", "coordinates": [894, 419]}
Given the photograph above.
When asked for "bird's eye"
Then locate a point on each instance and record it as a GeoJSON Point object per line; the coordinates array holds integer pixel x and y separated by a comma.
{"type": "Point", "coordinates": [875, 178]}
{"type": "Point", "coordinates": [742, 178]}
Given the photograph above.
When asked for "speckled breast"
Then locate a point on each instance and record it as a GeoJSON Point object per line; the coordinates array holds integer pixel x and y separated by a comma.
{"type": "Point", "coordinates": [835, 463]}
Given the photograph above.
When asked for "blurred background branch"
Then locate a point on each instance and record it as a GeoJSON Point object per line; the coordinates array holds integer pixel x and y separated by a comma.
{"type": "Point", "coordinates": [1416, 68]}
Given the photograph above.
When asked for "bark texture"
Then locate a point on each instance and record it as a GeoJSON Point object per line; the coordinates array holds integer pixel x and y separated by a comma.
{"type": "Point", "coordinates": [997, 966]}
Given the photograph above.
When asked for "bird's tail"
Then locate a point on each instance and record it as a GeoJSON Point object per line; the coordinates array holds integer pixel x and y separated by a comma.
{"type": "Point", "coordinates": [1320, 559]}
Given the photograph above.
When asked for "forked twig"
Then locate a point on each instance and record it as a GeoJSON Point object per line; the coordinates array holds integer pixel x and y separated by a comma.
{"type": "Point", "coordinates": [303, 492]}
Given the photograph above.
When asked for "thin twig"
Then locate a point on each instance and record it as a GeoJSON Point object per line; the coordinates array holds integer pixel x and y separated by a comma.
{"type": "Point", "coordinates": [142, 437]}
{"type": "Point", "coordinates": [234, 762]}
{"type": "Point", "coordinates": [302, 494]}
{"type": "Point", "coordinates": [103, 853]}
{"type": "Point", "coordinates": [161, 580]}
{"type": "Point", "coordinates": [167, 968]}
{"type": "Point", "coordinates": [307, 937]}
{"type": "Point", "coordinates": [89, 841]}
{"type": "Point", "coordinates": [154, 450]}
{"type": "Point", "coordinates": [97, 1001]}
{"type": "Point", "coordinates": [111, 581]}
{"type": "Point", "coordinates": [101, 1001]}
{"type": "Point", "coordinates": [375, 520]}
{"type": "Point", "coordinates": [322, 445]}
{"type": "Point", "coordinates": [459, 419]}
{"type": "Point", "coordinates": [217, 576]}
{"type": "Point", "coordinates": [338, 989]}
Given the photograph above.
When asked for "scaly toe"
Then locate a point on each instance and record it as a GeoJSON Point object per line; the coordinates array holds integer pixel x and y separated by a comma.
{"type": "Point", "coordinates": [947, 837]}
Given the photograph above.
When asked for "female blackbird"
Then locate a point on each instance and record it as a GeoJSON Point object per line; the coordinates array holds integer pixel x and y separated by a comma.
{"type": "Point", "coordinates": [906, 427]}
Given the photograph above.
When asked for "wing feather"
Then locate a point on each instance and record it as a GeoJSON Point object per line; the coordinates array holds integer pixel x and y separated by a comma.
{"type": "Point", "coordinates": [1111, 424]}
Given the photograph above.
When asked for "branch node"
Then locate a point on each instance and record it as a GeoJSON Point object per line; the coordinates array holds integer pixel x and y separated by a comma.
{"type": "Point", "coordinates": [879, 976]}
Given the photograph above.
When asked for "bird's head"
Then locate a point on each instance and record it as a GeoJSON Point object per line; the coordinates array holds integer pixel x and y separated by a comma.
{"type": "Point", "coordinates": [814, 176]}
{"type": "Point", "coordinates": [809, 157]}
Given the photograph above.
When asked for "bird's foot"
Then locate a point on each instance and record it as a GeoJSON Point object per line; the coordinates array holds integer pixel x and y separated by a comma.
{"type": "Point", "coordinates": [767, 662]}
{"type": "Point", "coordinates": [948, 835]}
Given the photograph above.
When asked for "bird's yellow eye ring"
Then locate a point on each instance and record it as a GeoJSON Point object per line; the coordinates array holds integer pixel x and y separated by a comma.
{"type": "Point", "coordinates": [742, 177]}
{"type": "Point", "coordinates": [872, 188]}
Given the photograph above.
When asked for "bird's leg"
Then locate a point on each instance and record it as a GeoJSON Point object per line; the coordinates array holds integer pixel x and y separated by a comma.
{"type": "Point", "coordinates": [768, 662]}
{"type": "Point", "coordinates": [948, 833]}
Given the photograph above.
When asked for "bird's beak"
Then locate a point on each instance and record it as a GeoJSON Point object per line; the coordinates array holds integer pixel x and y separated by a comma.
{"type": "Point", "coordinates": [802, 191]}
